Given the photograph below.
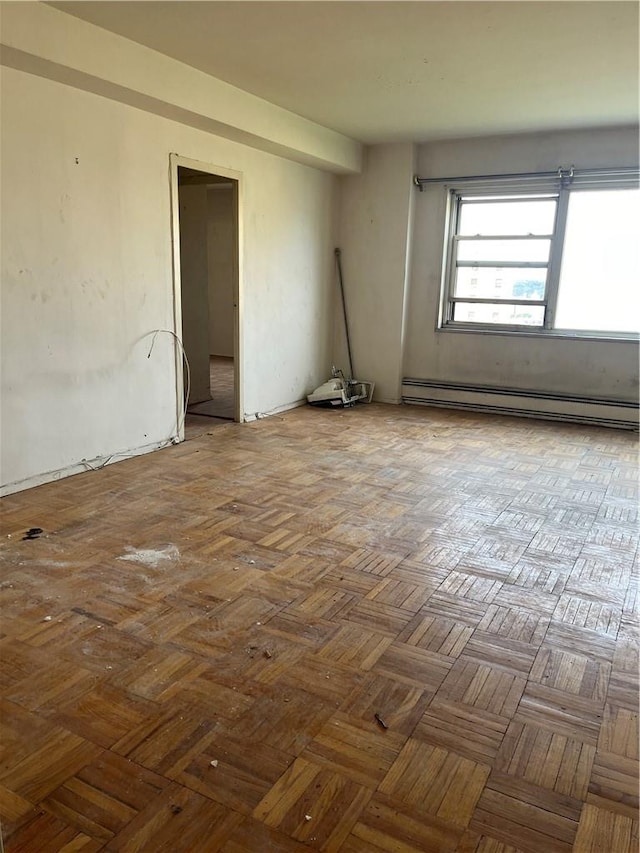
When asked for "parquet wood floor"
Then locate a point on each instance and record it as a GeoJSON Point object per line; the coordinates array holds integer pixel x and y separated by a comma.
{"type": "Point", "coordinates": [222, 389]}
{"type": "Point", "coordinates": [194, 652]}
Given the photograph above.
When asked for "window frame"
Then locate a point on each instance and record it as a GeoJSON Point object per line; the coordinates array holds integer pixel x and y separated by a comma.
{"type": "Point", "coordinates": [560, 191]}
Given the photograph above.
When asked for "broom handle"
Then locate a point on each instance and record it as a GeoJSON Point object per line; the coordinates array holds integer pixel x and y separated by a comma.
{"type": "Point", "coordinates": [338, 255]}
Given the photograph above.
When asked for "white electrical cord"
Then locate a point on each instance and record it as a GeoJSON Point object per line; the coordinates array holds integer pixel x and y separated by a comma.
{"type": "Point", "coordinates": [183, 416]}
{"type": "Point", "coordinates": [155, 333]}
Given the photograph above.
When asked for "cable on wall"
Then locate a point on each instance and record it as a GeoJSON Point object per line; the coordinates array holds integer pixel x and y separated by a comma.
{"type": "Point", "coordinates": [173, 439]}
{"type": "Point", "coordinates": [176, 337]}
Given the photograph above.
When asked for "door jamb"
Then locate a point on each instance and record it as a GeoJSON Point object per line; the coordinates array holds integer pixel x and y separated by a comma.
{"type": "Point", "coordinates": [176, 160]}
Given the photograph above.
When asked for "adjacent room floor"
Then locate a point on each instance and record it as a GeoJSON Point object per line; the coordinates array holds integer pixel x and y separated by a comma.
{"type": "Point", "coordinates": [221, 384]}
{"type": "Point", "coordinates": [380, 629]}
{"type": "Point", "coordinates": [219, 410]}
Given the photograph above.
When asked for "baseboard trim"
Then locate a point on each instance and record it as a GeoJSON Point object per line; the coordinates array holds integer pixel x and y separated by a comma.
{"type": "Point", "coordinates": [555, 406]}
{"type": "Point", "coordinates": [258, 416]}
{"type": "Point", "coordinates": [82, 467]}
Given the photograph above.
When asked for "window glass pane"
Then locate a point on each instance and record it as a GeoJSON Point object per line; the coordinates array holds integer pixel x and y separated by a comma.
{"type": "Point", "coordinates": [505, 315]}
{"type": "Point", "coordinates": [501, 282]}
{"type": "Point", "coordinates": [600, 276]}
{"type": "Point", "coordinates": [504, 250]}
{"type": "Point", "coordinates": [507, 217]}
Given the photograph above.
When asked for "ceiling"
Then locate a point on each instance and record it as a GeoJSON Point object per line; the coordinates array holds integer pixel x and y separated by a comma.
{"type": "Point", "coordinates": [411, 71]}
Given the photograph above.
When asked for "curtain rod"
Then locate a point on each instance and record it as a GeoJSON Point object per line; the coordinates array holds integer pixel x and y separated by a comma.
{"type": "Point", "coordinates": [560, 174]}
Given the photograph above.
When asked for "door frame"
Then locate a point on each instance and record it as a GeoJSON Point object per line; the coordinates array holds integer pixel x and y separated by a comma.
{"type": "Point", "coordinates": [176, 160]}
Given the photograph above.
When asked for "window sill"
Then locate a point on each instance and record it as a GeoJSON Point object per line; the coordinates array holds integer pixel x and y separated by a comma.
{"type": "Point", "coordinates": [564, 334]}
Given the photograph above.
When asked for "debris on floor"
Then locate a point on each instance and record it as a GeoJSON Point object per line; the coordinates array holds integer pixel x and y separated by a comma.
{"type": "Point", "coordinates": [151, 557]}
{"type": "Point", "coordinates": [32, 533]}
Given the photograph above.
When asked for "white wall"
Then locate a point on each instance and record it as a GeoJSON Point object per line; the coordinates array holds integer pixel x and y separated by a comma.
{"type": "Point", "coordinates": [194, 283]}
{"type": "Point", "coordinates": [221, 244]}
{"type": "Point", "coordinates": [86, 276]}
{"type": "Point", "coordinates": [374, 236]}
{"type": "Point", "coordinates": [42, 40]}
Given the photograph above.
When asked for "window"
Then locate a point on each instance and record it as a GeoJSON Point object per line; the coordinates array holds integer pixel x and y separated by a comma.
{"type": "Point", "coordinates": [566, 259]}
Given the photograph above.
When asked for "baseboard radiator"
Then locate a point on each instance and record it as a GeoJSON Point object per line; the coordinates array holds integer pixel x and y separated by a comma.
{"type": "Point", "coordinates": [515, 401]}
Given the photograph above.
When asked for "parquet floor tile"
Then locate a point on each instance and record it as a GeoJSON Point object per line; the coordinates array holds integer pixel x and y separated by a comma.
{"type": "Point", "coordinates": [570, 715]}
{"type": "Point", "coordinates": [48, 834]}
{"type": "Point", "coordinates": [166, 744]}
{"type": "Point", "coordinates": [619, 732]}
{"type": "Point", "coordinates": [371, 562]}
{"type": "Point", "coordinates": [582, 641]}
{"type": "Point", "coordinates": [400, 705]}
{"type": "Point", "coordinates": [322, 680]}
{"type": "Point", "coordinates": [601, 830]}
{"type": "Point", "coordinates": [103, 715]}
{"type": "Point", "coordinates": [433, 780]}
{"type": "Point", "coordinates": [614, 783]}
{"type": "Point", "coordinates": [378, 616]}
{"type": "Point", "coordinates": [444, 636]}
{"type": "Point", "coordinates": [180, 820]}
{"type": "Point", "coordinates": [44, 768]}
{"type": "Point", "coordinates": [461, 610]}
{"type": "Point", "coordinates": [416, 666]}
{"type": "Point", "coordinates": [387, 629]}
{"type": "Point", "coordinates": [354, 749]}
{"type": "Point", "coordinates": [471, 842]}
{"type": "Point", "coordinates": [389, 827]}
{"type": "Point", "coordinates": [13, 807]}
{"type": "Point", "coordinates": [254, 835]}
{"type": "Point", "coordinates": [623, 689]}
{"type": "Point", "coordinates": [485, 687]}
{"type": "Point", "coordinates": [565, 672]}
{"type": "Point", "coordinates": [103, 797]}
{"type": "Point", "coordinates": [19, 661]}
{"type": "Point", "coordinates": [545, 758]}
{"type": "Point", "coordinates": [284, 719]}
{"type": "Point", "coordinates": [226, 771]}
{"type": "Point", "coordinates": [526, 598]}
{"type": "Point", "coordinates": [474, 587]}
{"type": "Point", "coordinates": [526, 816]}
{"type": "Point", "coordinates": [310, 633]}
{"type": "Point", "coordinates": [313, 805]}
{"type": "Point", "coordinates": [470, 732]}
{"type": "Point", "coordinates": [355, 646]}
{"type": "Point", "coordinates": [539, 571]}
{"type": "Point", "coordinates": [503, 652]}
{"type": "Point", "coordinates": [325, 602]}
{"type": "Point", "coordinates": [583, 612]}
{"type": "Point", "coordinates": [512, 623]}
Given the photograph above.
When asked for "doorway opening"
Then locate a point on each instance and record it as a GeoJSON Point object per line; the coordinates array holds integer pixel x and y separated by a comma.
{"type": "Point", "coordinates": [206, 267]}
